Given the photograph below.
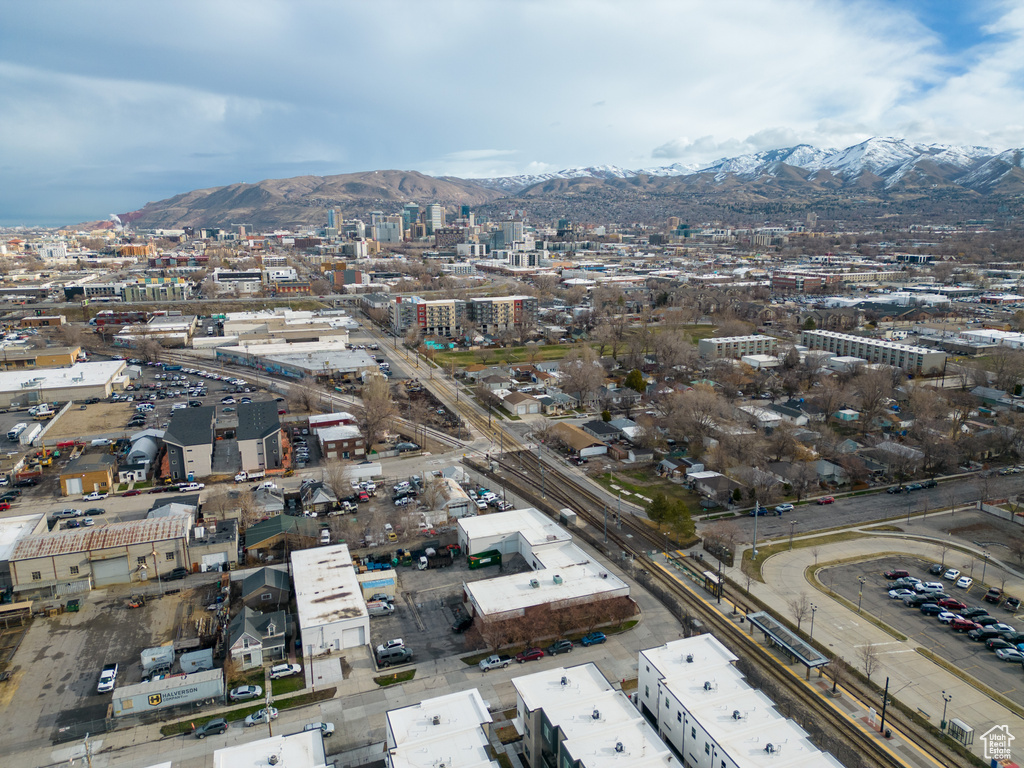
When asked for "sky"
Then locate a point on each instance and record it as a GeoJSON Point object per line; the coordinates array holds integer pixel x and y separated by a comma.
{"type": "Point", "coordinates": [107, 105]}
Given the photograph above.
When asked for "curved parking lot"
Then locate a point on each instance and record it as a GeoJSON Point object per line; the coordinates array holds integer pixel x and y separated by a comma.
{"type": "Point", "coordinates": [955, 647]}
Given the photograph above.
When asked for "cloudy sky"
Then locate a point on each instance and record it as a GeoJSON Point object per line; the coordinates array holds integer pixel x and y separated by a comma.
{"type": "Point", "coordinates": [106, 105]}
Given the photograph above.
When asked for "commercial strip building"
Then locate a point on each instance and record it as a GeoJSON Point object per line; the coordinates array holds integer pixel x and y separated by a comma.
{"type": "Point", "coordinates": [908, 357]}
{"type": "Point", "coordinates": [19, 359]}
{"type": "Point", "coordinates": [562, 575]}
{"type": "Point", "coordinates": [78, 382]}
{"type": "Point", "coordinates": [331, 610]}
{"type": "Point", "coordinates": [735, 347]}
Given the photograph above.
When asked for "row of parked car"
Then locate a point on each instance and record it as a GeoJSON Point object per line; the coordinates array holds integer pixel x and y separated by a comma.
{"type": "Point", "coordinates": [930, 598]}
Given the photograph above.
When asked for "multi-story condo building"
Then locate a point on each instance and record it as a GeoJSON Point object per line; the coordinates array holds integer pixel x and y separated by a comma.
{"type": "Point", "coordinates": [497, 314]}
{"type": "Point", "coordinates": [906, 356]}
{"type": "Point", "coordinates": [736, 347]}
{"type": "Point", "coordinates": [449, 317]}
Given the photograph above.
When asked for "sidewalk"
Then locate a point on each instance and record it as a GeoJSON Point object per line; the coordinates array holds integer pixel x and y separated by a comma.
{"type": "Point", "coordinates": [914, 680]}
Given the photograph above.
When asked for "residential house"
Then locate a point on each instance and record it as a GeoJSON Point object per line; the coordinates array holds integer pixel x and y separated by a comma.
{"type": "Point", "coordinates": [713, 485]}
{"type": "Point", "coordinates": [266, 588]}
{"type": "Point", "coordinates": [577, 441]}
{"type": "Point", "coordinates": [792, 414]}
{"type": "Point", "coordinates": [255, 637]}
{"type": "Point", "coordinates": [259, 436]}
{"type": "Point", "coordinates": [762, 418]}
{"type": "Point", "coordinates": [636, 455]}
{"type": "Point", "coordinates": [602, 430]}
{"type": "Point", "coordinates": [495, 382]}
{"type": "Point", "coordinates": [189, 439]}
{"type": "Point", "coordinates": [274, 537]}
{"type": "Point", "coordinates": [317, 498]}
{"type": "Point", "coordinates": [270, 500]}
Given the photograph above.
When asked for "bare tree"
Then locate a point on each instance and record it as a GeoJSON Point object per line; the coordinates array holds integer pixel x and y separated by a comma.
{"type": "Point", "coordinates": [837, 670]}
{"type": "Point", "coordinates": [799, 607]}
{"type": "Point", "coordinates": [304, 395]}
{"type": "Point", "coordinates": [868, 656]}
{"type": "Point", "coordinates": [434, 492]}
{"type": "Point", "coordinates": [581, 373]}
{"type": "Point", "coordinates": [338, 477]}
{"type": "Point", "coordinates": [378, 407]}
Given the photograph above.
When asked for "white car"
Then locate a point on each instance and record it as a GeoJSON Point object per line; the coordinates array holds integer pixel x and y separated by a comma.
{"type": "Point", "coordinates": [261, 716]}
{"type": "Point", "coordinates": [946, 617]}
{"type": "Point", "coordinates": [952, 574]}
{"type": "Point", "coordinates": [964, 582]}
{"type": "Point", "coordinates": [1010, 654]}
{"type": "Point", "coordinates": [285, 670]}
{"type": "Point", "coordinates": [396, 643]}
{"type": "Point", "coordinates": [94, 496]}
{"type": "Point", "coordinates": [1001, 627]}
{"type": "Point", "coordinates": [899, 594]}
{"type": "Point", "coordinates": [191, 487]}
{"type": "Point", "coordinates": [928, 586]}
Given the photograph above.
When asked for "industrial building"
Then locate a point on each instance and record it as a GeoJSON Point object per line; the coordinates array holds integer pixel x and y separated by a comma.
{"type": "Point", "coordinates": [50, 385]}
{"type": "Point", "coordinates": [452, 730]}
{"type": "Point", "coordinates": [563, 574]}
{"type": "Point", "coordinates": [736, 347]}
{"type": "Point", "coordinates": [19, 359]}
{"type": "Point", "coordinates": [328, 358]}
{"type": "Point", "coordinates": [332, 613]}
{"type": "Point", "coordinates": [908, 357]}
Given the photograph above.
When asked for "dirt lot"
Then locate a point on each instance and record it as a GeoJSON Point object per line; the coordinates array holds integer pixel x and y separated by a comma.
{"type": "Point", "coordinates": [53, 685]}
{"type": "Point", "coordinates": [96, 420]}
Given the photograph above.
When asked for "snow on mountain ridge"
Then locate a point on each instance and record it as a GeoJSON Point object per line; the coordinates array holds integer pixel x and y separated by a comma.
{"type": "Point", "coordinates": [890, 158]}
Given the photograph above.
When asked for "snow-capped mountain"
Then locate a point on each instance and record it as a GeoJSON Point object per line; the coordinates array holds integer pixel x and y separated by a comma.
{"type": "Point", "coordinates": [895, 162]}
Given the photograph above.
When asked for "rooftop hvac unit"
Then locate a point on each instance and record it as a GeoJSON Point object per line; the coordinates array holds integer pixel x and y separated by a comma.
{"type": "Point", "coordinates": [769, 748]}
{"type": "Point", "coordinates": [736, 714]}
{"type": "Point", "coordinates": [565, 680]}
{"type": "Point", "coordinates": [534, 583]}
{"type": "Point", "coordinates": [274, 759]}
{"type": "Point", "coordinates": [436, 719]}
{"type": "Point", "coordinates": [619, 746]}
{"type": "Point", "coordinates": [707, 685]}
{"type": "Point", "coordinates": [689, 658]}
{"type": "Point", "coordinates": [596, 714]}
{"type": "Point", "coordinates": [557, 579]}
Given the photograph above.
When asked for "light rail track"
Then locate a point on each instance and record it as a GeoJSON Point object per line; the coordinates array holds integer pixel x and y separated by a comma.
{"type": "Point", "coordinates": [854, 743]}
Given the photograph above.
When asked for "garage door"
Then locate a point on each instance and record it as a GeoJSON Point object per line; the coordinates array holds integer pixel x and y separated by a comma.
{"type": "Point", "coordinates": [353, 638]}
{"type": "Point", "coordinates": [73, 485]}
{"type": "Point", "coordinates": [113, 571]}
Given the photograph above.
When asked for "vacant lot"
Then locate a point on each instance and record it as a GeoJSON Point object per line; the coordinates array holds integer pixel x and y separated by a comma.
{"type": "Point", "coordinates": [97, 419]}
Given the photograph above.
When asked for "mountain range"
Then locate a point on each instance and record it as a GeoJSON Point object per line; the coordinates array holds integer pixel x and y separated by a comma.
{"type": "Point", "coordinates": [885, 171]}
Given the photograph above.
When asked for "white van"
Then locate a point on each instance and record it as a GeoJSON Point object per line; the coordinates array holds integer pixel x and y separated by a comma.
{"type": "Point", "coordinates": [325, 536]}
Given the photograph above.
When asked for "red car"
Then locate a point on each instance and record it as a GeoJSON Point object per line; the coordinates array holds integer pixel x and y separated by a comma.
{"type": "Point", "coordinates": [5, 505]}
{"type": "Point", "coordinates": [364, 496]}
{"type": "Point", "coordinates": [952, 604]}
{"type": "Point", "coordinates": [960, 624]}
{"type": "Point", "coordinates": [131, 493]}
{"type": "Point", "coordinates": [530, 654]}
{"type": "Point", "coordinates": [826, 500]}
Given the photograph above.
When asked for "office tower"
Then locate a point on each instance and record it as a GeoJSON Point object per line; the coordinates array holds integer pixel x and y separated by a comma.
{"type": "Point", "coordinates": [434, 218]}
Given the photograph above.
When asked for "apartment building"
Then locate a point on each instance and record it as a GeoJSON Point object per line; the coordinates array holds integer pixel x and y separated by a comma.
{"type": "Point", "coordinates": [802, 282]}
{"type": "Point", "coordinates": [735, 347]}
{"type": "Point", "coordinates": [707, 713]}
{"type": "Point", "coordinates": [906, 356]}
{"type": "Point", "coordinates": [497, 314]}
{"type": "Point", "coordinates": [443, 317]}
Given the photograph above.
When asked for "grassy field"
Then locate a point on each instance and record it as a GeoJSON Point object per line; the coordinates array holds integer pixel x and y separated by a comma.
{"type": "Point", "coordinates": [541, 353]}
{"type": "Point", "coordinates": [641, 483]}
{"type": "Point", "coordinates": [285, 685]}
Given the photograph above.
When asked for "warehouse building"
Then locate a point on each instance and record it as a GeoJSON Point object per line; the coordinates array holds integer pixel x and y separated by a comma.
{"type": "Point", "coordinates": [53, 385]}
{"type": "Point", "coordinates": [89, 472]}
{"type": "Point", "coordinates": [77, 560]}
{"type": "Point", "coordinates": [12, 531]}
{"type": "Point", "coordinates": [325, 359]}
{"type": "Point", "coordinates": [906, 356]}
{"type": "Point", "coordinates": [17, 359]}
{"type": "Point", "coordinates": [332, 613]}
{"type": "Point", "coordinates": [562, 575]}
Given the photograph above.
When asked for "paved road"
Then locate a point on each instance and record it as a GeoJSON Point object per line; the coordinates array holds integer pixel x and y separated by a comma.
{"type": "Point", "coordinates": [963, 491]}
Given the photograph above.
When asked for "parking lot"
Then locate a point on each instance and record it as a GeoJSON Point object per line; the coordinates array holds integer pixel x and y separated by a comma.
{"type": "Point", "coordinates": [425, 607]}
{"type": "Point", "coordinates": [968, 655]}
{"type": "Point", "coordinates": [56, 668]}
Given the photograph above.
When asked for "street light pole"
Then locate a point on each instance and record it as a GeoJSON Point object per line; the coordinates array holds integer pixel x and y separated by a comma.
{"type": "Point", "coordinates": [757, 510]}
{"type": "Point", "coordinates": [814, 610]}
{"type": "Point", "coordinates": [984, 567]}
{"type": "Point", "coordinates": [792, 527]}
{"type": "Point", "coordinates": [946, 698]}
{"type": "Point", "coordinates": [860, 594]}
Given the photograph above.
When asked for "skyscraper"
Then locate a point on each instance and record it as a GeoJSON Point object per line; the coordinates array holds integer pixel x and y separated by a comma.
{"type": "Point", "coordinates": [410, 214]}
{"type": "Point", "coordinates": [331, 223]}
{"type": "Point", "coordinates": [434, 218]}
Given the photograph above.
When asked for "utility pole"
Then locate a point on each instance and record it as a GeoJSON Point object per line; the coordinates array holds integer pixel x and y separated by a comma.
{"type": "Point", "coordinates": [606, 525]}
{"type": "Point", "coordinates": [885, 703]}
{"type": "Point", "coordinates": [757, 514]}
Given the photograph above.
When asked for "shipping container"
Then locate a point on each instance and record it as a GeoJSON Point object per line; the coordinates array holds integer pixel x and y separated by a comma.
{"type": "Point", "coordinates": [485, 559]}
{"type": "Point", "coordinates": [173, 691]}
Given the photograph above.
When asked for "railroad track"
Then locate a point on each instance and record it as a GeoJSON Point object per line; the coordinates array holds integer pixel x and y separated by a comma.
{"type": "Point", "coordinates": [834, 730]}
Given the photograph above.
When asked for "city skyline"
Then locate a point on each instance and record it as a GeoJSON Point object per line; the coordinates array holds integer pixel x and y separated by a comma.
{"type": "Point", "coordinates": [104, 107]}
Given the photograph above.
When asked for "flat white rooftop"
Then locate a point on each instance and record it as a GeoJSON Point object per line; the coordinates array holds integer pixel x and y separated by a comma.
{"type": "Point", "coordinates": [689, 656]}
{"type": "Point", "coordinates": [447, 728]}
{"type": "Point", "coordinates": [77, 375]}
{"type": "Point", "coordinates": [13, 530]}
{"type": "Point", "coordinates": [564, 573]}
{"type": "Point", "coordinates": [300, 347]}
{"type": "Point", "coordinates": [561, 686]}
{"type": "Point", "coordinates": [326, 588]}
{"type": "Point", "coordinates": [534, 526]}
{"type": "Point", "coordinates": [299, 750]}
{"type": "Point", "coordinates": [628, 744]}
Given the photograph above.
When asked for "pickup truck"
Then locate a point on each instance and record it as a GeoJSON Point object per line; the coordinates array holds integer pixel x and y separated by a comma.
{"type": "Point", "coordinates": [108, 676]}
{"type": "Point", "coordinates": [495, 662]}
